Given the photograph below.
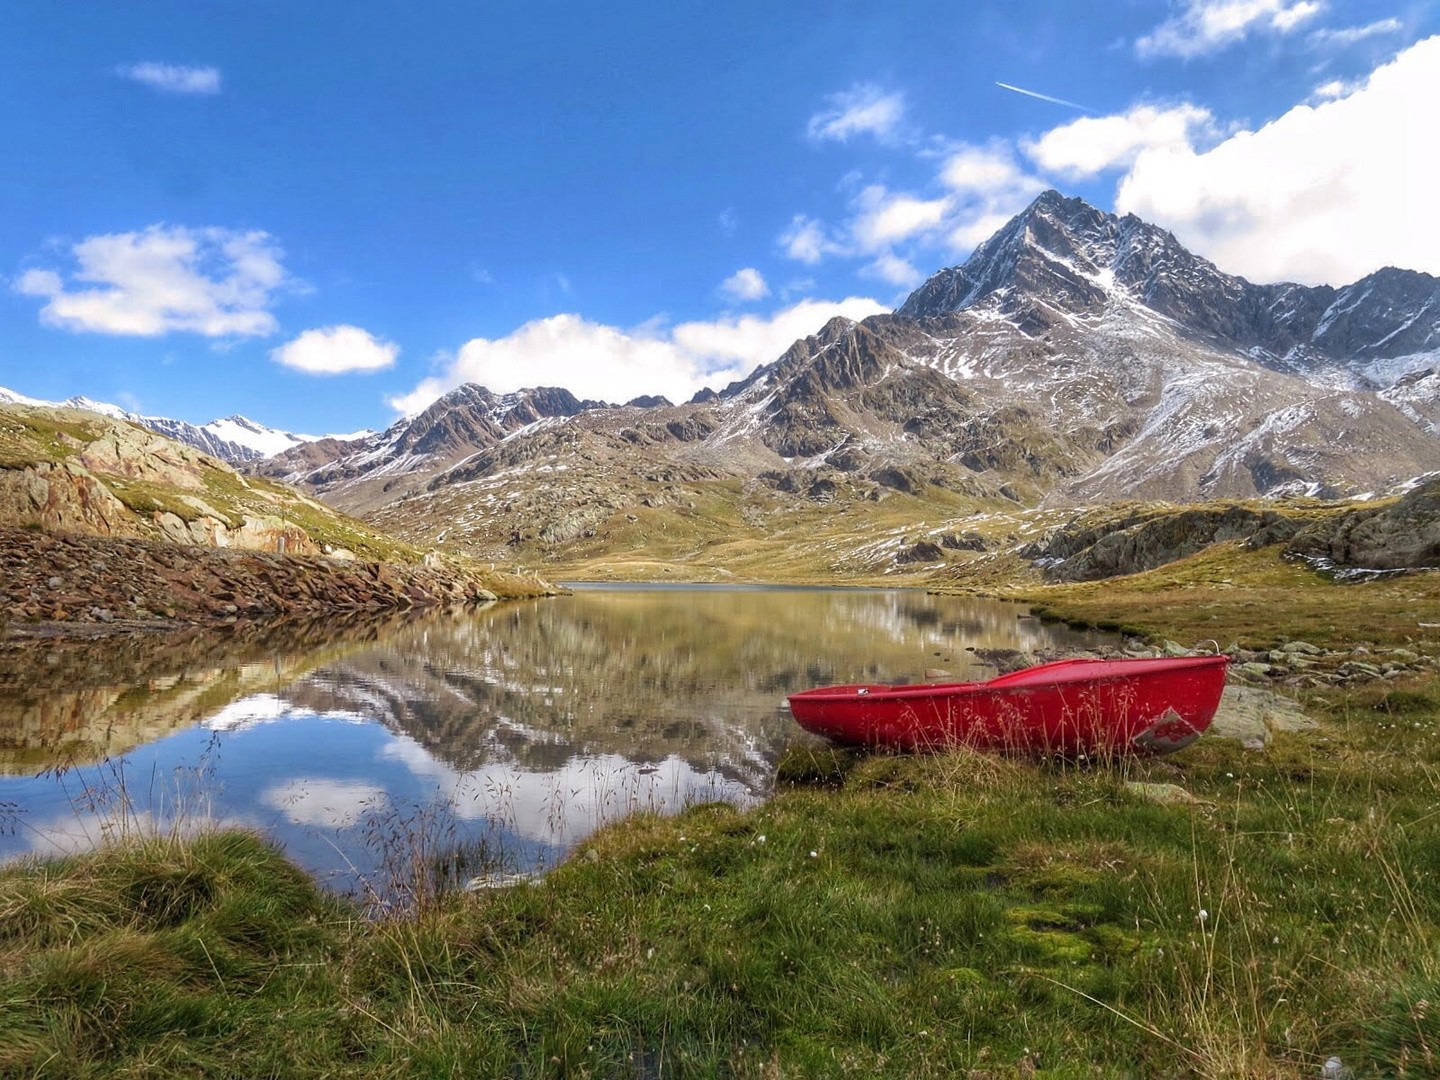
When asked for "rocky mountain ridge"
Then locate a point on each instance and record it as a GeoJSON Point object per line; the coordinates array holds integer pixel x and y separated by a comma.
{"type": "Point", "coordinates": [462, 422]}
{"type": "Point", "coordinates": [1072, 256]}
{"type": "Point", "coordinates": [1076, 358]}
{"type": "Point", "coordinates": [232, 438]}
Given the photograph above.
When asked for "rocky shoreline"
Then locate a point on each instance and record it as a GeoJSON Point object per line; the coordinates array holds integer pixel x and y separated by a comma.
{"type": "Point", "coordinates": [1295, 665]}
{"type": "Point", "coordinates": [72, 585]}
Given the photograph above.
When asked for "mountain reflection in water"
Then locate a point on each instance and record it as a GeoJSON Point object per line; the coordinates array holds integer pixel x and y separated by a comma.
{"type": "Point", "coordinates": [522, 727]}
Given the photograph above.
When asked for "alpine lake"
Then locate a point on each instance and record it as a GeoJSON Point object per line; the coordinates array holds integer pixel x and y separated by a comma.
{"type": "Point", "coordinates": [480, 743]}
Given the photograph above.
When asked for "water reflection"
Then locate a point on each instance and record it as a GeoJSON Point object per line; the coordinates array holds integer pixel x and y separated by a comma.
{"type": "Point", "coordinates": [521, 727]}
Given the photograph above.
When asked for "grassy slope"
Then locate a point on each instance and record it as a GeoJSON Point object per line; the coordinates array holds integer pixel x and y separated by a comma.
{"type": "Point", "coordinates": [1256, 598]}
{"type": "Point", "coordinates": [35, 436]}
{"type": "Point", "coordinates": [730, 535]}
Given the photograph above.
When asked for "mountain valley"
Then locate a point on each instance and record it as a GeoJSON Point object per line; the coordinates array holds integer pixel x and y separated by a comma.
{"type": "Point", "coordinates": [1076, 358]}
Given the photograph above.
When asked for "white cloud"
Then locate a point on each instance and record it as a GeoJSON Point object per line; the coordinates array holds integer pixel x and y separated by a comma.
{"type": "Point", "coordinates": [894, 270]}
{"type": "Point", "coordinates": [1325, 193]}
{"type": "Point", "coordinates": [808, 241]}
{"type": "Point", "coordinates": [746, 284]}
{"type": "Point", "coordinates": [974, 229]}
{"type": "Point", "coordinates": [1288, 17]}
{"type": "Point", "coordinates": [1349, 35]}
{"type": "Point", "coordinates": [209, 281]}
{"type": "Point", "coordinates": [1335, 88]}
{"type": "Point", "coordinates": [863, 109]}
{"type": "Point", "coordinates": [597, 361]}
{"type": "Point", "coordinates": [173, 78]}
{"type": "Point", "coordinates": [986, 187]}
{"type": "Point", "coordinates": [884, 218]}
{"type": "Point", "coordinates": [335, 804]}
{"type": "Point", "coordinates": [1205, 26]}
{"type": "Point", "coordinates": [982, 170]}
{"type": "Point", "coordinates": [1093, 144]}
{"type": "Point", "coordinates": [333, 350]}
{"type": "Point", "coordinates": [797, 287]}
{"type": "Point", "coordinates": [990, 188]}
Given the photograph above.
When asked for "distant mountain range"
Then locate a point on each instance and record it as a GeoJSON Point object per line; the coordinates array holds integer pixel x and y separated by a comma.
{"type": "Point", "coordinates": [1076, 357]}
{"type": "Point", "coordinates": [233, 439]}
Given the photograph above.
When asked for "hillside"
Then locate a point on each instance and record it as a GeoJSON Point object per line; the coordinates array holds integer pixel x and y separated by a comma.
{"type": "Point", "coordinates": [101, 519]}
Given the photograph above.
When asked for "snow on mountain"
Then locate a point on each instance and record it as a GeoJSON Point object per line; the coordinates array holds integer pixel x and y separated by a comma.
{"type": "Point", "coordinates": [1076, 357]}
{"type": "Point", "coordinates": [1065, 255]}
{"type": "Point", "coordinates": [233, 438]}
{"type": "Point", "coordinates": [458, 425]}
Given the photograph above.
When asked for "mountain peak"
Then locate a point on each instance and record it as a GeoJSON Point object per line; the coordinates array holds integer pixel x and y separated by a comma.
{"type": "Point", "coordinates": [1061, 252]}
{"type": "Point", "coordinates": [1063, 258]}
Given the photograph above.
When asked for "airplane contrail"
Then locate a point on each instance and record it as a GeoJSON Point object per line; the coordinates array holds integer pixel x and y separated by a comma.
{"type": "Point", "coordinates": [1042, 97]}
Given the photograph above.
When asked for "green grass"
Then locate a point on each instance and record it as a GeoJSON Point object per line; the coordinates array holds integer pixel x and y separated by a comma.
{"type": "Point", "coordinates": [1256, 598]}
{"type": "Point", "coordinates": [29, 437]}
{"type": "Point", "coordinates": [148, 499]}
{"type": "Point", "coordinates": [891, 916]}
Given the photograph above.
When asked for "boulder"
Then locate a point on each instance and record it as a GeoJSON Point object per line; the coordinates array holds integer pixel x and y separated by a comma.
{"type": "Point", "coordinates": [1404, 535]}
{"type": "Point", "coordinates": [966, 541]}
{"type": "Point", "coordinates": [1097, 546]}
{"type": "Point", "coordinates": [1164, 794]}
{"type": "Point", "coordinates": [923, 551]}
{"type": "Point", "coordinates": [1249, 716]}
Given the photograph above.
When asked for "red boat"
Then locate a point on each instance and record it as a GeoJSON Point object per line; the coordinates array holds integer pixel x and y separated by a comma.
{"type": "Point", "coordinates": [1069, 707]}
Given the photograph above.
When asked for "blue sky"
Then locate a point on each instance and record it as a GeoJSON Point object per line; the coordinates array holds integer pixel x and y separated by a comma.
{"type": "Point", "coordinates": [320, 213]}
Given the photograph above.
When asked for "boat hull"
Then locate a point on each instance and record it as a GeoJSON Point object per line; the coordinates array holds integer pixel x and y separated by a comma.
{"type": "Point", "coordinates": [1071, 707]}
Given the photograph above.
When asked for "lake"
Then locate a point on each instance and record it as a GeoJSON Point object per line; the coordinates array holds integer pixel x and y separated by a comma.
{"type": "Point", "coordinates": [476, 741]}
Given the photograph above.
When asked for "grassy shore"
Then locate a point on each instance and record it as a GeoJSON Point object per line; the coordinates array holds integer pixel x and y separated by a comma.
{"type": "Point", "coordinates": [952, 915]}
{"type": "Point", "coordinates": [1229, 594]}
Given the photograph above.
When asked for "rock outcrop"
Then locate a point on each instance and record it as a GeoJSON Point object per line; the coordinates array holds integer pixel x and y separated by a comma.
{"type": "Point", "coordinates": [1105, 544]}
{"type": "Point", "coordinates": [1404, 535]}
{"type": "Point", "coordinates": [63, 497]}
{"type": "Point", "coordinates": [72, 471]}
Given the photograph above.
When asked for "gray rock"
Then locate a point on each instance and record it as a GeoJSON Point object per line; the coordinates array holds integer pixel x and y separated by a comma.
{"type": "Point", "coordinates": [923, 551]}
{"type": "Point", "coordinates": [499, 879]}
{"type": "Point", "coordinates": [1249, 716]}
{"type": "Point", "coordinates": [1358, 667]}
{"type": "Point", "coordinates": [1174, 648]}
{"type": "Point", "coordinates": [1164, 794]}
{"type": "Point", "coordinates": [1302, 647]}
{"type": "Point", "coordinates": [1405, 535]}
{"type": "Point", "coordinates": [55, 583]}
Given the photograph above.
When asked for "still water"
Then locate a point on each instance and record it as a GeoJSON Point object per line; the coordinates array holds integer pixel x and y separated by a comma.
{"type": "Point", "coordinates": [513, 732]}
